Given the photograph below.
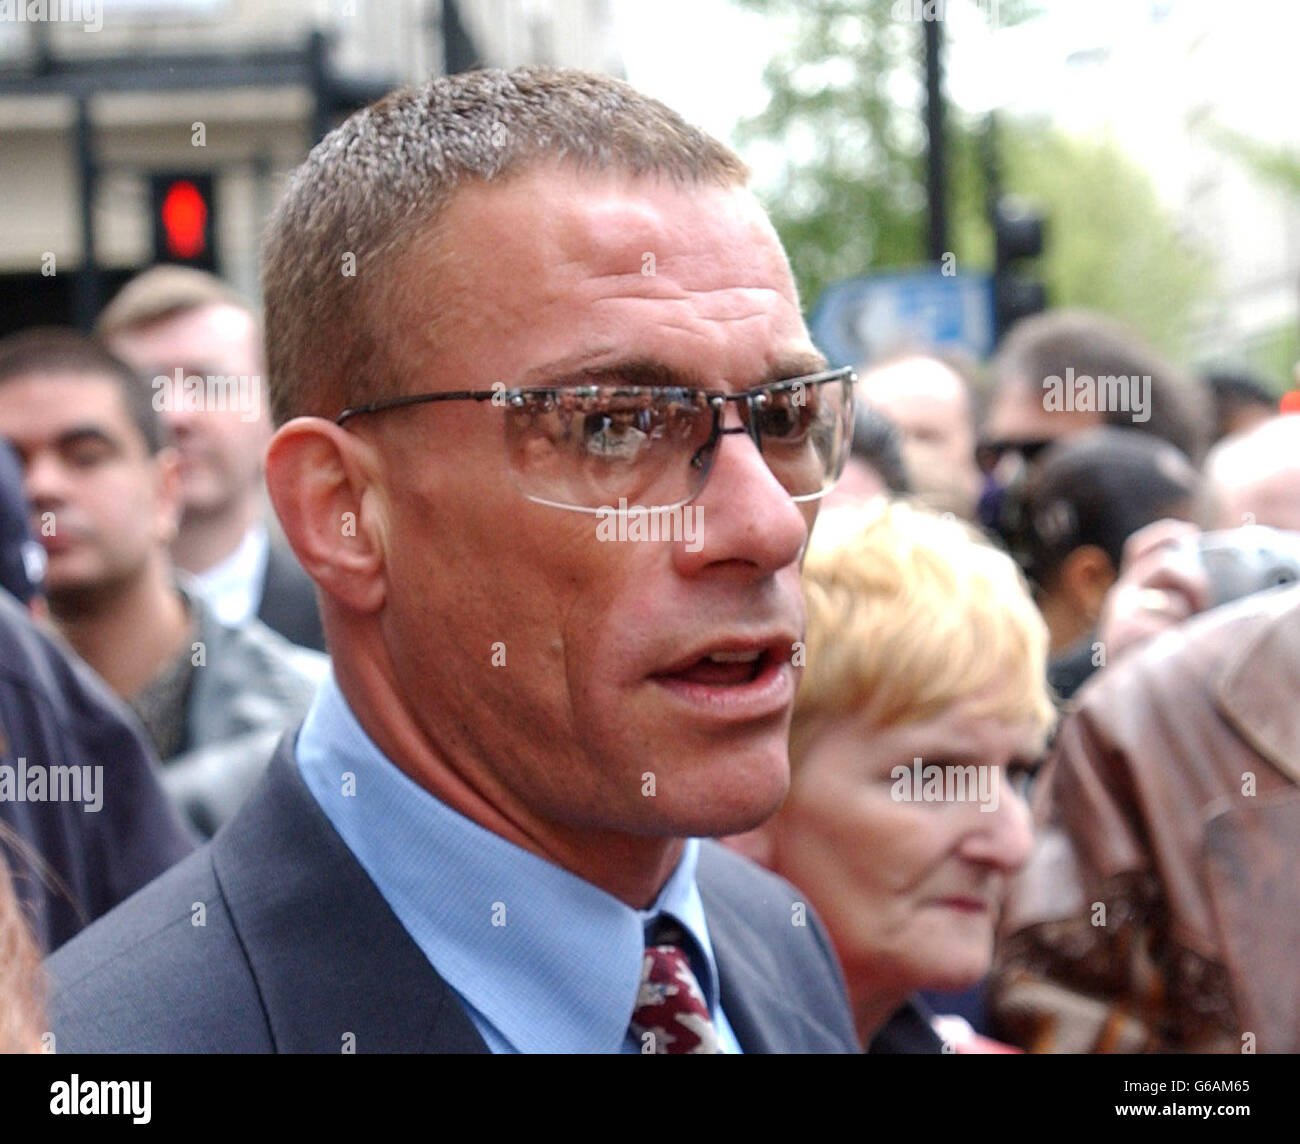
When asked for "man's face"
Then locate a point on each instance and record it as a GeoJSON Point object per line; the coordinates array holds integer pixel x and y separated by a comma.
{"type": "Point", "coordinates": [1021, 425]}
{"type": "Point", "coordinates": [928, 403]}
{"type": "Point", "coordinates": [220, 442]}
{"type": "Point", "coordinates": [98, 498]}
{"type": "Point", "coordinates": [561, 673]}
{"type": "Point", "coordinates": [1020, 412]}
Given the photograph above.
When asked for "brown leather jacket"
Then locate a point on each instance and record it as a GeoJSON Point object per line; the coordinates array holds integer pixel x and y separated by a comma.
{"type": "Point", "coordinates": [1161, 908]}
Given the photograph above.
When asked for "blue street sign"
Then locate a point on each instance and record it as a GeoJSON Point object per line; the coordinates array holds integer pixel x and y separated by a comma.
{"type": "Point", "coordinates": [859, 320]}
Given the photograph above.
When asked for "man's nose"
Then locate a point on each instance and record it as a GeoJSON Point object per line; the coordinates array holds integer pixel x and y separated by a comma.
{"type": "Point", "coordinates": [179, 420]}
{"type": "Point", "coordinates": [744, 514]}
{"type": "Point", "coordinates": [45, 481]}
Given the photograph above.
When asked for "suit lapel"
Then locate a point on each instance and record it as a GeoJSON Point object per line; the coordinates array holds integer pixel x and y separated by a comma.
{"type": "Point", "coordinates": [329, 956]}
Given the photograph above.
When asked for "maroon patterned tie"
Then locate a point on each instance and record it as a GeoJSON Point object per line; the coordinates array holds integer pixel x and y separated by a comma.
{"type": "Point", "coordinates": [671, 1015]}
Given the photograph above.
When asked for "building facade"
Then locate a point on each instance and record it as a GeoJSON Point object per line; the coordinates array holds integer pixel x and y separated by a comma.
{"type": "Point", "coordinates": [104, 102]}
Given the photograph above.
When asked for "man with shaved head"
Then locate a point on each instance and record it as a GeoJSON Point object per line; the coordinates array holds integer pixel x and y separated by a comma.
{"type": "Point", "coordinates": [1252, 477]}
{"type": "Point", "coordinates": [519, 325]}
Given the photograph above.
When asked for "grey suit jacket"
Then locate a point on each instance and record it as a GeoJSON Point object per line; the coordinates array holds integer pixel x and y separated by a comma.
{"type": "Point", "coordinates": [272, 938]}
{"type": "Point", "coordinates": [252, 687]}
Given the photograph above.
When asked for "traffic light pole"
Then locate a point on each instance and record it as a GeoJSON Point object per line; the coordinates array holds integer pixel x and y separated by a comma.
{"type": "Point", "coordinates": [334, 95]}
{"type": "Point", "coordinates": [936, 171]}
{"type": "Point", "coordinates": [1018, 234]}
{"type": "Point", "coordinates": [991, 164]}
{"type": "Point", "coordinates": [86, 289]}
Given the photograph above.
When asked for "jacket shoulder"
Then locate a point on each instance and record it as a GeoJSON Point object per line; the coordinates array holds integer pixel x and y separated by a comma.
{"type": "Point", "coordinates": [765, 898]}
{"type": "Point", "coordinates": [742, 895]}
{"type": "Point", "coordinates": [773, 951]}
{"type": "Point", "coordinates": [1213, 688]}
{"type": "Point", "coordinates": [164, 971]}
{"type": "Point", "coordinates": [55, 712]}
{"type": "Point", "coordinates": [1211, 646]}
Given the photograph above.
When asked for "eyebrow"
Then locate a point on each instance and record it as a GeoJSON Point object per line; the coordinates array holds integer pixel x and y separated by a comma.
{"type": "Point", "coordinates": [67, 439]}
{"type": "Point", "coordinates": [83, 433]}
{"type": "Point", "coordinates": [652, 372]}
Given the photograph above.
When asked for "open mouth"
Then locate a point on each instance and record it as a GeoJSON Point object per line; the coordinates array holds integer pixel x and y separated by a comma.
{"type": "Point", "coordinates": [750, 682]}
{"type": "Point", "coordinates": [723, 668]}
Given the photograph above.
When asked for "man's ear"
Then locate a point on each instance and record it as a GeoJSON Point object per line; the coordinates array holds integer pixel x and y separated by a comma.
{"type": "Point", "coordinates": [324, 483]}
{"type": "Point", "coordinates": [168, 494]}
{"type": "Point", "coordinates": [1086, 577]}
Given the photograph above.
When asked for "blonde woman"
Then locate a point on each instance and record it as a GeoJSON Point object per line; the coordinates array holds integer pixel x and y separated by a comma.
{"type": "Point", "coordinates": [922, 706]}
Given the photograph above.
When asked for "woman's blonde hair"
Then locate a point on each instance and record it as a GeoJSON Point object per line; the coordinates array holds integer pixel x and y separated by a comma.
{"type": "Point", "coordinates": [22, 983]}
{"type": "Point", "coordinates": [909, 613]}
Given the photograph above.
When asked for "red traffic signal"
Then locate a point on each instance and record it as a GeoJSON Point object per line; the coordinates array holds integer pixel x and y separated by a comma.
{"type": "Point", "coordinates": [185, 220]}
{"type": "Point", "coordinates": [183, 216]}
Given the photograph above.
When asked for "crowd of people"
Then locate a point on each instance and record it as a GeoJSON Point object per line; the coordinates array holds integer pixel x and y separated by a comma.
{"type": "Point", "coordinates": [330, 720]}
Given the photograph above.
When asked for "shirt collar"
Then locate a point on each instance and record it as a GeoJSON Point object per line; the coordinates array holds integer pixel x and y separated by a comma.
{"type": "Point", "coordinates": [550, 961]}
{"type": "Point", "coordinates": [233, 587]}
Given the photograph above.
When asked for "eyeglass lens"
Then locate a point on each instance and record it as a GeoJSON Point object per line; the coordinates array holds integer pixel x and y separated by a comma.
{"type": "Point", "coordinates": [591, 446]}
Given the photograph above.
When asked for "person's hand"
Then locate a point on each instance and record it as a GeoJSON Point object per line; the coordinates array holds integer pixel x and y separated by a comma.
{"type": "Point", "coordinates": [1160, 584]}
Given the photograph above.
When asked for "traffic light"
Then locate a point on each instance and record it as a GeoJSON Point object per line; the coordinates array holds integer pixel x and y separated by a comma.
{"type": "Point", "coordinates": [184, 219]}
{"type": "Point", "coordinates": [1017, 234]}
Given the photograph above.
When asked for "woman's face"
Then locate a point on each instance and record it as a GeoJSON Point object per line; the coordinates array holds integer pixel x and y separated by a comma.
{"type": "Point", "coordinates": [908, 862]}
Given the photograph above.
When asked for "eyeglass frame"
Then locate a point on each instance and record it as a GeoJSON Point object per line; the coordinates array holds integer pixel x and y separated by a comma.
{"type": "Point", "coordinates": [717, 400]}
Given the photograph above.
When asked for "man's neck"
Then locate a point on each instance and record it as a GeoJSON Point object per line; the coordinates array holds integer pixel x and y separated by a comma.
{"type": "Point", "coordinates": [632, 868]}
{"type": "Point", "coordinates": [1065, 625]}
{"type": "Point", "coordinates": [206, 539]}
{"type": "Point", "coordinates": [130, 633]}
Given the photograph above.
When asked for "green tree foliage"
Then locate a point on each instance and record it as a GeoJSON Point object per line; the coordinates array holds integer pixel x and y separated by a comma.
{"type": "Point", "coordinates": [1112, 245]}
{"type": "Point", "coordinates": [1273, 164]}
{"type": "Point", "coordinates": [844, 136]}
{"type": "Point", "coordinates": [848, 194]}
{"type": "Point", "coordinates": [1276, 352]}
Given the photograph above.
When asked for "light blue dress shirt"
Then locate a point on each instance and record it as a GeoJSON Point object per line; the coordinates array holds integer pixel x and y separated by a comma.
{"type": "Point", "coordinates": [543, 961]}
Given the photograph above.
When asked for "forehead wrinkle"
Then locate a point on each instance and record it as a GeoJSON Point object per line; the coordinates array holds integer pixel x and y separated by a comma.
{"type": "Point", "coordinates": [609, 225]}
{"type": "Point", "coordinates": [590, 254]}
{"type": "Point", "coordinates": [611, 238]}
{"type": "Point", "coordinates": [721, 304]}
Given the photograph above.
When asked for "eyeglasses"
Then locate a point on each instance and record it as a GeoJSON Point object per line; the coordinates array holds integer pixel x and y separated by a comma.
{"type": "Point", "coordinates": [989, 453]}
{"type": "Point", "coordinates": [590, 448]}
